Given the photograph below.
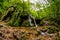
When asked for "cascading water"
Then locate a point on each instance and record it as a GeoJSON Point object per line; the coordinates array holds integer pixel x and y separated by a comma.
{"type": "Point", "coordinates": [31, 18]}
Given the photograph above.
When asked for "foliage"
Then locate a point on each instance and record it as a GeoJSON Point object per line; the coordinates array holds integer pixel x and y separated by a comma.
{"type": "Point", "coordinates": [50, 11]}
{"type": "Point", "coordinates": [52, 29]}
{"type": "Point", "coordinates": [57, 2]}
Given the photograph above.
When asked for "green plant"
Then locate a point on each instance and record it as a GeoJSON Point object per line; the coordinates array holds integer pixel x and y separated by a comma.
{"type": "Point", "coordinates": [22, 7]}
{"type": "Point", "coordinates": [52, 29]}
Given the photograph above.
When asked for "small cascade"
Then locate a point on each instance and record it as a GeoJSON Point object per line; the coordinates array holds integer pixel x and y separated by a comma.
{"type": "Point", "coordinates": [46, 34]}
{"type": "Point", "coordinates": [32, 20]}
{"type": "Point", "coordinates": [35, 23]}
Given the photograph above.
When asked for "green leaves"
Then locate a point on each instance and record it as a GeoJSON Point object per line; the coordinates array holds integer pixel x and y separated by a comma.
{"type": "Point", "coordinates": [34, 13]}
{"type": "Point", "coordinates": [5, 4]}
{"type": "Point", "coordinates": [47, 11]}
{"type": "Point", "coordinates": [1, 0]}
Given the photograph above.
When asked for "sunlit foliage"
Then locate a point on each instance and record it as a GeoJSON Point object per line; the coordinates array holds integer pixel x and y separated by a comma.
{"type": "Point", "coordinates": [49, 10]}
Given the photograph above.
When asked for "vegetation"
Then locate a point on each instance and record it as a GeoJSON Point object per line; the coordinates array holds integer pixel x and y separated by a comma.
{"type": "Point", "coordinates": [11, 10]}
{"type": "Point", "coordinates": [29, 19]}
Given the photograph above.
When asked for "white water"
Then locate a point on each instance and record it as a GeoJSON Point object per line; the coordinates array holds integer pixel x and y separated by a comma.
{"type": "Point", "coordinates": [34, 7]}
{"type": "Point", "coordinates": [30, 20]}
{"type": "Point", "coordinates": [46, 34]}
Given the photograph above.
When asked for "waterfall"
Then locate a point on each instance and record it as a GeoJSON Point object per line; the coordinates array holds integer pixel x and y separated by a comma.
{"type": "Point", "coordinates": [31, 18]}
{"type": "Point", "coordinates": [35, 22]}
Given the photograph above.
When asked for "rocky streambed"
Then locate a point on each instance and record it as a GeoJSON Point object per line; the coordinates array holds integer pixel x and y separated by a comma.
{"type": "Point", "coordinates": [22, 33]}
{"type": "Point", "coordinates": [28, 33]}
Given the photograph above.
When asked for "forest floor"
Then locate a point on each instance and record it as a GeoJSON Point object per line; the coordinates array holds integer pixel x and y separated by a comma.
{"type": "Point", "coordinates": [25, 33]}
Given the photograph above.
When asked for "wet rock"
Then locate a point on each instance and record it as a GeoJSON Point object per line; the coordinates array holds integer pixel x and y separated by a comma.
{"type": "Point", "coordinates": [1, 25]}
{"type": "Point", "coordinates": [8, 33]}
